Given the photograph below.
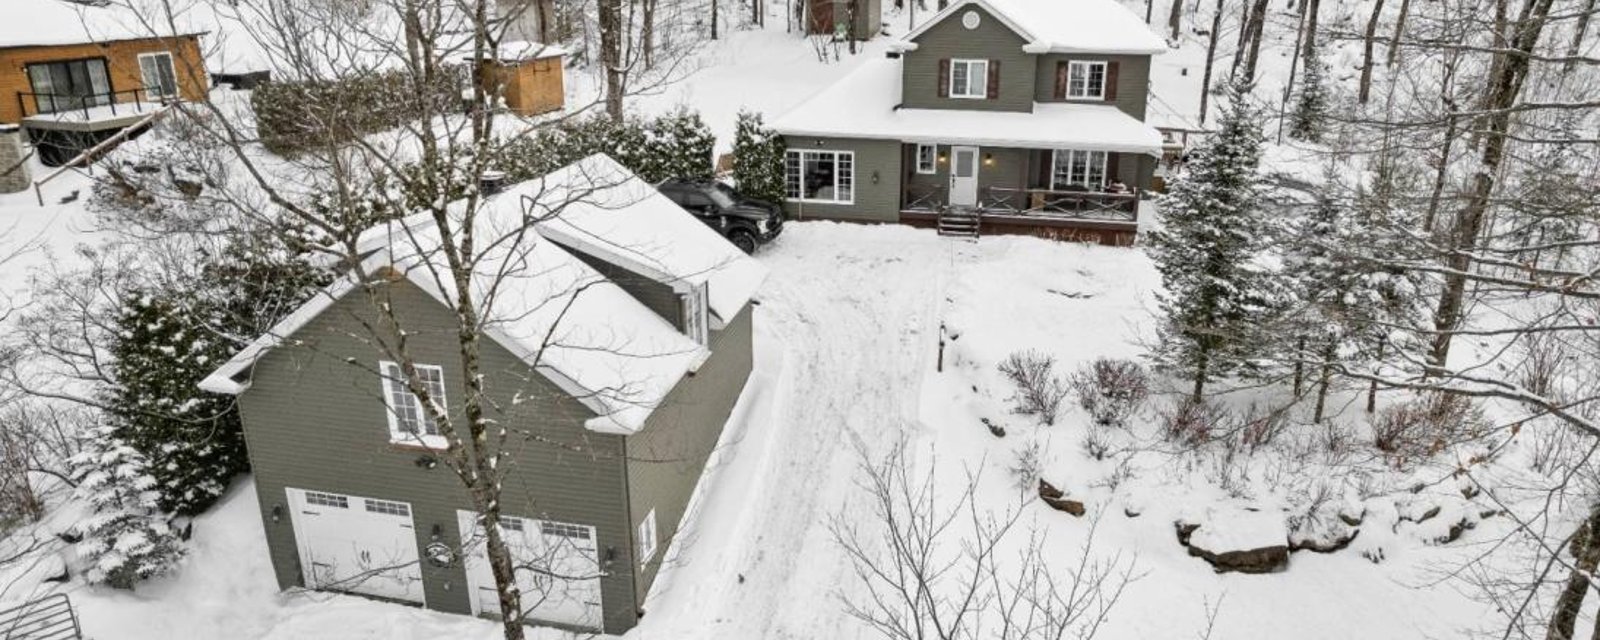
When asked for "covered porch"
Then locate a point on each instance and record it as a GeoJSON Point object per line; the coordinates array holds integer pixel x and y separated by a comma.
{"type": "Point", "coordinates": [1025, 184]}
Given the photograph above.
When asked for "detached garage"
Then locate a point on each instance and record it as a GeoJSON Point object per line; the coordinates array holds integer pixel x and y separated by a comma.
{"type": "Point", "coordinates": [357, 545]}
{"type": "Point", "coordinates": [557, 566]}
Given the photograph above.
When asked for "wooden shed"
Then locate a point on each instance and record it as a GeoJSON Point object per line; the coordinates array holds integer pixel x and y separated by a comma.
{"type": "Point", "coordinates": [528, 76]}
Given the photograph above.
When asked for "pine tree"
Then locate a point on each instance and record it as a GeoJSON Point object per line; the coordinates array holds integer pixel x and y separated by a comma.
{"type": "Point", "coordinates": [126, 538]}
{"type": "Point", "coordinates": [758, 158]}
{"type": "Point", "coordinates": [1310, 116]}
{"type": "Point", "coordinates": [1211, 232]}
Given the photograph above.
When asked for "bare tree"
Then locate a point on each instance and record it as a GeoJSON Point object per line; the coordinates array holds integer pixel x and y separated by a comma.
{"type": "Point", "coordinates": [941, 567]}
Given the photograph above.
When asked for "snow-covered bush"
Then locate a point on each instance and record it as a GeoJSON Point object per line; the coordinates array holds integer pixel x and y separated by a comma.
{"type": "Point", "coordinates": [758, 154]}
{"type": "Point", "coordinates": [1028, 465]}
{"type": "Point", "coordinates": [1097, 441]}
{"type": "Point", "coordinates": [1039, 390]}
{"type": "Point", "coordinates": [1111, 390]}
{"type": "Point", "coordinates": [126, 537]}
{"type": "Point", "coordinates": [292, 116]}
{"type": "Point", "coordinates": [1425, 425]}
{"type": "Point", "coordinates": [675, 145]}
{"type": "Point", "coordinates": [1191, 422]}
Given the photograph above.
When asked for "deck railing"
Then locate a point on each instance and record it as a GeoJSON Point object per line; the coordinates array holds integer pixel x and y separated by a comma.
{"type": "Point", "coordinates": [48, 618]}
{"type": "Point", "coordinates": [1091, 205]}
{"type": "Point", "coordinates": [132, 101]}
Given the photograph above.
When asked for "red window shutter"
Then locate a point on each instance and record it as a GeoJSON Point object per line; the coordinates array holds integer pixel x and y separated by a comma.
{"type": "Point", "coordinates": [1111, 81]}
{"type": "Point", "coordinates": [993, 91]}
{"type": "Point", "coordinates": [1061, 80]}
{"type": "Point", "coordinates": [944, 77]}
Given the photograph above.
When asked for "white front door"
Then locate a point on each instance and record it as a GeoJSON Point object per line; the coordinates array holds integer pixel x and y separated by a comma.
{"type": "Point", "coordinates": [360, 545]}
{"type": "Point", "coordinates": [557, 568]}
{"type": "Point", "coordinates": [964, 176]}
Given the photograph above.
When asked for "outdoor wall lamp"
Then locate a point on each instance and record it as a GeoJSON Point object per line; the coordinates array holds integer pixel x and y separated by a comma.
{"type": "Point", "coordinates": [427, 461]}
{"type": "Point", "coordinates": [277, 513]}
{"type": "Point", "coordinates": [943, 157]}
{"type": "Point", "coordinates": [988, 159]}
{"type": "Point", "coordinates": [438, 532]}
{"type": "Point", "coordinates": [874, 176]}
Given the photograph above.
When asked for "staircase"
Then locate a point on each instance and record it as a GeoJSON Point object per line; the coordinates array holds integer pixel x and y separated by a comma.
{"type": "Point", "coordinates": [960, 222]}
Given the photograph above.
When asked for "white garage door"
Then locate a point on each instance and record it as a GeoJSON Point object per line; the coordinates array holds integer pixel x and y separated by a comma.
{"type": "Point", "coordinates": [360, 545]}
{"type": "Point", "coordinates": [557, 568]}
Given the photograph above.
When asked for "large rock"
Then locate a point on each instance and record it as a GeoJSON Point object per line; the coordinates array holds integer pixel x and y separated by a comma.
{"type": "Point", "coordinates": [1058, 500]}
{"type": "Point", "coordinates": [1241, 540]}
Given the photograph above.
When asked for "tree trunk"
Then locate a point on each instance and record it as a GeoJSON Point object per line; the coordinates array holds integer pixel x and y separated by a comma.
{"type": "Point", "coordinates": [1579, 30]}
{"type": "Point", "coordinates": [1258, 16]}
{"type": "Point", "coordinates": [1372, 387]}
{"type": "Point", "coordinates": [1308, 48]}
{"type": "Point", "coordinates": [1399, 29]}
{"type": "Point", "coordinates": [1288, 87]}
{"type": "Point", "coordinates": [1365, 90]}
{"type": "Point", "coordinates": [546, 10]}
{"type": "Point", "coordinates": [1325, 377]}
{"type": "Point", "coordinates": [1299, 366]}
{"type": "Point", "coordinates": [713, 19]}
{"type": "Point", "coordinates": [1174, 20]}
{"type": "Point", "coordinates": [1211, 58]}
{"type": "Point", "coordinates": [647, 32]}
{"type": "Point", "coordinates": [1149, 9]}
{"type": "Point", "coordinates": [611, 55]}
{"type": "Point", "coordinates": [1504, 90]}
{"type": "Point", "coordinates": [1585, 548]}
{"type": "Point", "coordinates": [1198, 392]}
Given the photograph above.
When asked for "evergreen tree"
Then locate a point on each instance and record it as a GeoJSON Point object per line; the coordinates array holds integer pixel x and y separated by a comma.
{"type": "Point", "coordinates": [126, 538]}
{"type": "Point", "coordinates": [1211, 232]}
{"type": "Point", "coordinates": [1310, 116]}
{"type": "Point", "coordinates": [758, 155]}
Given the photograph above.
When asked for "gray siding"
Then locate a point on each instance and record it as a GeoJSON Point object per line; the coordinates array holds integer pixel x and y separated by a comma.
{"type": "Point", "coordinates": [314, 421]}
{"type": "Point", "coordinates": [656, 295]}
{"type": "Point", "coordinates": [667, 457]}
{"type": "Point", "coordinates": [876, 200]}
{"type": "Point", "coordinates": [1133, 80]}
{"type": "Point", "coordinates": [992, 40]}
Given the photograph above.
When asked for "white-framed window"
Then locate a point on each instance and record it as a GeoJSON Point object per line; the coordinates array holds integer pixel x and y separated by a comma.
{"type": "Point", "coordinates": [927, 158]}
{"type": "Point", "coordinates": [327, 500]}
{"type": "Point", "coordinates": [160, 79]}
{"type": "Point", "coordinates": [820, 176]}
{"type": "Point", "coordinates": [408, 422]}
{"type": "Point", "coordinates": [647, 538]}
{"type": "Point", "coordinates": [1086, 80]}
{"type": "Point", "coordinates": [1086, 169]}
{"type": "Point", "coordinates": [389, 508]}
{"type": "Point", "coordinates": [564, 530]}
{"type": "Point", "coordinates": [969, 79]}
{"type": "Point", "coordinates": [695, 323]}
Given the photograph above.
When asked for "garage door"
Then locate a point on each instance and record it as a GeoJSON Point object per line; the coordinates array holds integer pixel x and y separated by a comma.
{"type": "Point", "coordinates": [557, 568]}
{"type": "Point", "coordinates": [355, 544]}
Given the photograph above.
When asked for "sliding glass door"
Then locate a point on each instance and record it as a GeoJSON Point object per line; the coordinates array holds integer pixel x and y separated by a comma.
{"type": "Point", "coordinates": [69, 84]}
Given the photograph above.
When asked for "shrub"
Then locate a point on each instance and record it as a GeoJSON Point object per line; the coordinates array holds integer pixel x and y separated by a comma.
{"type": "Point", "coordinates": [675, 145]}
{"type": "Point", "coordinates": [1097, 442]}
{"type": "Point", "coordinates": [1039, 390]}
{"type": "Point", "coordinates": [1110, 390]}
{"type": "Point", "coordinates": [1027, 466]}
{"type": "Point", "coordinates": [126, 538]}
{"type": "Point", "coordinates": [758, 154]}
{"type": "Point", "coordinates": [297, 115]}
{"type": "Point", "coordinates": [1192, 421]}
{"type": "Point", "coordinates": [1425, 425]}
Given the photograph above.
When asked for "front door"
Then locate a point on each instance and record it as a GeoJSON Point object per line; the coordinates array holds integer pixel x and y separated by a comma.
{"type": "Point", "coordinates": [557, 567]}
{"type": "Point", "coordinates": [964, 176]}
{"type": "Point", "coordinates": [359, 545]}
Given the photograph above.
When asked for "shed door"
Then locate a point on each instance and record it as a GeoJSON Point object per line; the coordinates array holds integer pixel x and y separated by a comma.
{"type": "Point", "coordinates": [354, 544]}
{"type": "Point", "coordinates": [821, 16]}
{"type": "Point", "coordinates": [557, 568]}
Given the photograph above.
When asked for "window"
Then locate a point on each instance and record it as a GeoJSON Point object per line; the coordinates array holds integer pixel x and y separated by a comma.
{"type": "Point", "coordinates": [564, 530]}
{"type": "Point", "coordinates": [69, 84]}
{"type": "Point", "coordinates": [510, 524]}
{"type": "Point", "coordinates": [1086, 169]}
{"type": "Point", "coordinates": [1086, 80]}
{"type": "Point", "coordinates": [971, 20]}
{"type": "Point", "coordinates": [408, 422]}
{"type": "Point", "coordinates": [694, 312]}
{"type": "Point", "coordinates": [647, 538]}
{"type": "Point", "coordinates": [820, 176]}
{"type": "Point", "coordinates": [969, 79]}
{"type": "Point", "coordinates": [160, 81]}
{"type": "Point", "coordinates": [389, 508]}
{"type": "Point", "coordinates": [327, 500]}
{"type": "Point", "coordinates": [927, 158]}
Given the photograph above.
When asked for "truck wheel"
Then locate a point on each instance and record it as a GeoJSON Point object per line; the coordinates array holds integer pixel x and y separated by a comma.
{"type": "Point", "coordinates": [744, 240]}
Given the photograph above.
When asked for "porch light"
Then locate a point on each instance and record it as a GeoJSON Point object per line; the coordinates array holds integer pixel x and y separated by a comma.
{"type": "Point", "coordinates": [988, 159]}
{"type": "Point", "coordinates": [277, 512]}
{"type": "Point", "coordinates": [874, 176]}
{"type": "Point", "coordinates": [943, 157]}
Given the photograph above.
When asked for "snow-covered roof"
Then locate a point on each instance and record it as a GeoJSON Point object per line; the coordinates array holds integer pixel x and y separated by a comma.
{"type": "Point", "coordinates": [524, 50]}
{"type": "Point", "coordinates": [864, 104]}
{"type": "Point", "coordinates": [1061, 26]}
{"type": "Point", "coordinates": [633, 226]}
{"type": "Point", "coordinates": [60, 22]}
{"type": "Point", "coordinates": [549, 308]}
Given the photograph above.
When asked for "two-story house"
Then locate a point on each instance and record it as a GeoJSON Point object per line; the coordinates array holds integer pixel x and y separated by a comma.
{"type": "Point", "coordinates": [1004, 115]}
{"type": "Point", "coordinates": [618, 340]}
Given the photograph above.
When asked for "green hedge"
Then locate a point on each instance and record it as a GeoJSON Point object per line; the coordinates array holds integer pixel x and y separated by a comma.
{"type": "Point", "coordinates": [294, 116]}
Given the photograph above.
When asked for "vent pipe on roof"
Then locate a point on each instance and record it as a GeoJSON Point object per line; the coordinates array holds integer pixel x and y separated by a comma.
{"type": "Point", "coordinates": [491, 182]}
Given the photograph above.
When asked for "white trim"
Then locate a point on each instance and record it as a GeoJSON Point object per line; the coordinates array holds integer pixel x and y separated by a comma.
{"type": "Point", "coordinates": [1105, 68]}
{"type": "Point", "coordinates": [956, 7]}
{"type": "Point", "coordinates": [647, 538]}
{"type": "Point", "coordinates": [695, 304]}
{"type": "Point", "coordinates": [933, 160]}
{"type": "Point", "coordinates": [966, 91]}
{"type": "Point", "coordinates": [426, 435]}
{"type": "Point", "coordinates": [1105, 161]}
{"type": "Point", "coordinates": [838, 182]}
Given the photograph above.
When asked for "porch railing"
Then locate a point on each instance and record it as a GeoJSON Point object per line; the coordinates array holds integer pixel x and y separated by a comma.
{"type": "Point", "coordinates": [104, 105]}
{"type": "Point", "coordinates": [1090, 205]}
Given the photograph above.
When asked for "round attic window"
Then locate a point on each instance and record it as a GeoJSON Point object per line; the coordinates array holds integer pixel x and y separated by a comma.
{"type": "Point", "coordinates": [970, 19]}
